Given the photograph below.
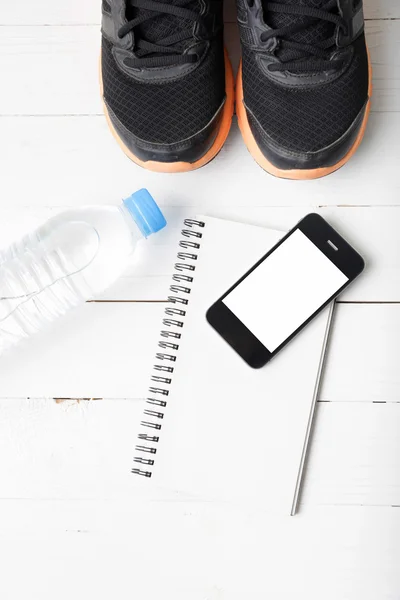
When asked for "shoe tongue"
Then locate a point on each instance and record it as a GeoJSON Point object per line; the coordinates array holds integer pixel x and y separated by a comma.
{"type": "Point", "coordinates": [316, 33]}
{"type": "Point", "coordinates": [161, 25]}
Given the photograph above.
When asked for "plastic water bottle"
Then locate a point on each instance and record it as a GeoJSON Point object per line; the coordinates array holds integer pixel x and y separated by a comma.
{"type": "Point", "coordinates": [71, 258]}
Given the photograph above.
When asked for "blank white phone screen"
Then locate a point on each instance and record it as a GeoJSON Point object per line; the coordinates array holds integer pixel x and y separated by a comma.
{"type": "Point", "coordinates": [285, 290]}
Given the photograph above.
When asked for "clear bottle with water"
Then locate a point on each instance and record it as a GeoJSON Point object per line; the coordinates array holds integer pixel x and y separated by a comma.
{"type": "Point", "coordinates": [71, 258]}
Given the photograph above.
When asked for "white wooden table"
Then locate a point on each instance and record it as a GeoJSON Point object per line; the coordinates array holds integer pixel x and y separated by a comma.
{"type": "Point", "coordinates": [72, 522]}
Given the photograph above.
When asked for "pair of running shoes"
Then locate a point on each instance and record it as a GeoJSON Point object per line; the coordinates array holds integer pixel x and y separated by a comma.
{"type": "Point", "coordinates": [302, 91]}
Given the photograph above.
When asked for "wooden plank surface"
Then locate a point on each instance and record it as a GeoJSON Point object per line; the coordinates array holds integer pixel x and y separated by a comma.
{"type": "Point", "coordinates": [205, 554]}
{"type": "Point", "coordinates": [63, 61]}
{"type": "Point", "coordinates": [84, 451]}
{"type": "Point", "coordinates": [106, 350]}
{"type": "Point", "coordinates": [354, 457]}
{"type": "Point", "coordinates": [69, 509]}
{"type": "Point", "coordinates": [363, 358]}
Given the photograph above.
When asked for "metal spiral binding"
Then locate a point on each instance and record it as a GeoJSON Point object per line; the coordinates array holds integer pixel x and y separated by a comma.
{"type": "Point", "coordinates": [175, 313]}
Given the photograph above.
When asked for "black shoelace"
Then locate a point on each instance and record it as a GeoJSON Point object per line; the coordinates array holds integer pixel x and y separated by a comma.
{"type": "Point", "coordinates": [300, 57]}
{"type": "Point", "coordinates": [166, 51]}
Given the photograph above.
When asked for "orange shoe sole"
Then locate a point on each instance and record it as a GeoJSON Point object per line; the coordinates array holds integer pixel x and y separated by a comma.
{"type": "Point", "coordinates": [297, 174]}
{"type": "Point", "coordinates": [182, 167]}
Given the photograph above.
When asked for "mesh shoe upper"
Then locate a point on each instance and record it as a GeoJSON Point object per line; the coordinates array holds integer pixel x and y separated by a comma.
{"type": "Point", "coordinates": [309, 118]}
{"type": "Point", "coordinates": [313, 34]}
{"type": "Point", "coordinates": [165, 111]}
{"type": "Point", "coordinates": [164, 25]}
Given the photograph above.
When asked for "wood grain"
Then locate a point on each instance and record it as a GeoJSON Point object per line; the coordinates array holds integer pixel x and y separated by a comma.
{"type": "Point", "coordinates": [363, 358]}
{"type": "Point", "coordinates": [84, 451]}
{"type": "Point", "coordinates": [62, 60]}
{"type": "Point", "coordinates": [354, 455]}
{"type": "Point", "coordinates": [107, 349]}
{"type": "Point", "coordinates": [202, 552]}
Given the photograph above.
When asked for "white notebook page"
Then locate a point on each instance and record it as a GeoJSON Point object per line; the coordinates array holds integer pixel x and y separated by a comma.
{"type": "Point", "coordinates": [229, 432]}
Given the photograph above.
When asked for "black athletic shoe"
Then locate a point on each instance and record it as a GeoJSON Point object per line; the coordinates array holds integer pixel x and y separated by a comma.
{"type": "Point", "coordinates": [303, 93]}
{"type": "Point", "coordinates": [166, 81]}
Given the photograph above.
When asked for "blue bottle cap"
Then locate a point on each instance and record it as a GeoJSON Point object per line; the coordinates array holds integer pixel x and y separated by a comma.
{"type": "Point", "coordinates": [145, 212]}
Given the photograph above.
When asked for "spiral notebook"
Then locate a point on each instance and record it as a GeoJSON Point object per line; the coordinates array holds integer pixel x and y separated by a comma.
{"type": "Point", "coordinates": [212, 426]}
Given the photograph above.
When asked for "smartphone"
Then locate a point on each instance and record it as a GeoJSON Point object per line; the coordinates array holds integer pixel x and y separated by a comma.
{"type": "Point", "coordinates": [285, 290]}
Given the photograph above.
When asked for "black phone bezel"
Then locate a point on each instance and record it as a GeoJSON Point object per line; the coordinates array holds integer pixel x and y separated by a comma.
{"type": "Point", "coordinates": [241, 339]}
